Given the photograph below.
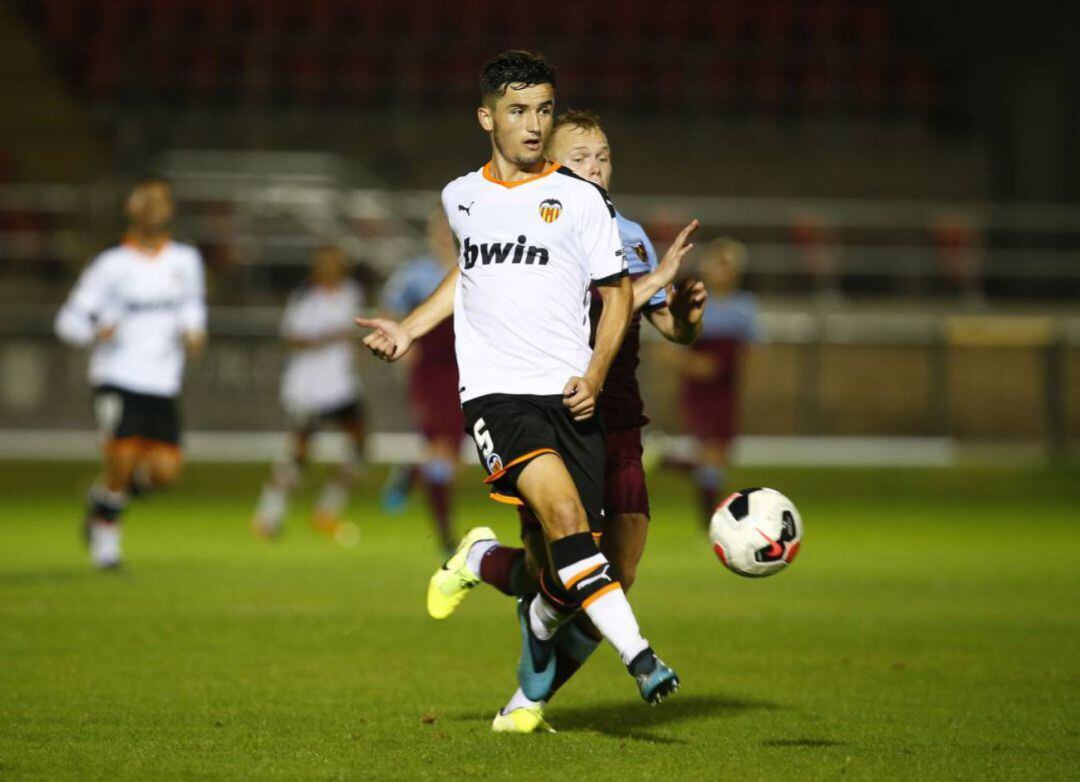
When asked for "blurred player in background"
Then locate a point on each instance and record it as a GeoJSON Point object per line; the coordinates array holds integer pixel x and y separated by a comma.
{"type": "Point", "coordinates": [141, 308]}
{"type": "Point", "coordinates": [433, 381]}
{"type": "Point", "coordinates": [712, 369]}
{"type": "Point", "coordinates": [319, 386]}
{"type": "Point", "coordinates": [578, 142]}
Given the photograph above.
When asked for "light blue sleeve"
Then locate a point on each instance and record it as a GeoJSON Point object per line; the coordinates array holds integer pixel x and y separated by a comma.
{"type": "Point", "coordinates": [751, 314]}
{"type": "Point", "coordinates": [659, 299]}
{"type": "Point", "coordinates": [398, 293]}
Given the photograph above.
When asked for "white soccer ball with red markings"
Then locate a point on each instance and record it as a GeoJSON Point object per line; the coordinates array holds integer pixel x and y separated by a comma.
{"type": "Point", "coordinates": [756, 532]}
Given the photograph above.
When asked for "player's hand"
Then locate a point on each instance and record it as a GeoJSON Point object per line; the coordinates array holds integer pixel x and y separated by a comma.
{"type": "Point", "coordinates": [579, 395]}
{"type": "Point", "coordinates": [687, 302]}
{"type": "Point", "coordinates": [388, 340]}
{"type": "Point", "coordinates": [668, 268]}
{"type": "Point", "coordinates": [194, 342]}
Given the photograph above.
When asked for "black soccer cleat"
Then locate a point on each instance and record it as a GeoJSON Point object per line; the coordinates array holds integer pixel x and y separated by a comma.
{"type": "Point", "coordinates": [655, 680]}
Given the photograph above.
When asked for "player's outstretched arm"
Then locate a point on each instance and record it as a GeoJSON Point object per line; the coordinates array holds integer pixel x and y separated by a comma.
{"type": "Point", "coordinates": [680, 320]}
{"type": "Point", "coordinates": [580, 393]}
{"type": "Point", "coordinates": [79, 322]}
{"type": "Point", "coordinates": [665, 272]}
{"type": "Point", "coordinates": [390, 340]}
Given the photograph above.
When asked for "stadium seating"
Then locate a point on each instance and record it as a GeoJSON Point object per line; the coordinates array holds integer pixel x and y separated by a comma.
{"type": "Point", "coordinates": [755, 57]}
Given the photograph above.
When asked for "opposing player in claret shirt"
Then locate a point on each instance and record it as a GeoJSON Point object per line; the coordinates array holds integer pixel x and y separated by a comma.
{"type": "Point", "coordinates": [433, 381]}
{"type": "Point", "coordinates": [579, 142]}
{"type": "Point", "coordinates": [712, 370]}
{"type": "Point", "coordinates": [141, 309]}
{"type": "Point", "coordinates": [319, 386]}
{"type": "Point", "coordinates": [534, 238]}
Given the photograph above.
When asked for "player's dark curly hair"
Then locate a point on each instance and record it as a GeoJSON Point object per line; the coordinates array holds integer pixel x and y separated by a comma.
{"type": "Point", "coordinates": [513, 67]}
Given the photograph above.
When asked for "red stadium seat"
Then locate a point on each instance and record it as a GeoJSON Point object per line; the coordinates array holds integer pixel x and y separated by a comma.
{"type": "Point", "coordinates": [823, 21]}
{"type": "Point", "coordinates": [64, 20]}
{"type": "Point", "coordinates": [103, 71]}
{"type": "Point", "coordinates": [768, 87]}
{"type": "Point", "coordinates": [916, 86]}
{"type": "Point", "coordinates": [870, 87]}
{"type": "Point", "coordinates": [871, 26]}
{"type": "Point", "coordinates": [726, 20]}
{"type": "Point", "coordinates": [817, 87]}
{"type": "Point", "coordinates": [721, 83]}
{"type": "Point", "coordinates": [773, 21]}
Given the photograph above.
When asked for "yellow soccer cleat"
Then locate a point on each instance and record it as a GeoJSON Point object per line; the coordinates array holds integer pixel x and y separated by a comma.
{"type": "Point", "coordinates": [524, 720]}
{"type": "Point", "coordinates": [325, 523]}
{"type": "Point", "coordinates": [448, 587]}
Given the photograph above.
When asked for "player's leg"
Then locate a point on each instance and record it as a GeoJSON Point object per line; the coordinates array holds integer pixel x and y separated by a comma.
{"type": "Point", "coordinates": [326, 517]}
{"type": "Point", "coordinates": [160, 465]}
{"type": "Point", "coordinates": [398, 484]}
{"type": "Point", "coordinates": [284, 477]}
{"type": "Point", "coordinates": [710, 475]}
{"type": "Point", "coordinates": [437, 477]}
{"type": "Point", "coordinates": [626, 527]}
{"type": "Point", "coordinates": [581, 576]}
{"type": "Point", "coordinates": [107, 499]}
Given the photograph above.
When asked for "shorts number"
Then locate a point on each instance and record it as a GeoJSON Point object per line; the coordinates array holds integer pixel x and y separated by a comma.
{"type": "Point", "coordinates": [482, 438]}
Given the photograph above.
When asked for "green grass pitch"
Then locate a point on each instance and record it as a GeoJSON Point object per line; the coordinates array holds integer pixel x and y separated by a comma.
{"type": "Point", "coordinates": [930, 629]}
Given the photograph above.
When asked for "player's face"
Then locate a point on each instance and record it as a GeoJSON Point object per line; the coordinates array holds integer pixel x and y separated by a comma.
{"type": "Point", "coordinates": [720, 271]}
{"type": "Point", "coordinates": [150, 207]}
{"type": "Point", "coordinates": [520, 121]}
{"type": "Point", "coordinates": [328, 267]}
{"type": "Point", "coordinates": [585, 151]}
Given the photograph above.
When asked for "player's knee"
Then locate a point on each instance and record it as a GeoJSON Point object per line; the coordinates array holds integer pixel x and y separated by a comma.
{"type": "Point", "coordinates": [165, 470]}
{"type": "Point", "coordinates": [627, 570]}
{"type": "Point", "coordinates": [565, 517]}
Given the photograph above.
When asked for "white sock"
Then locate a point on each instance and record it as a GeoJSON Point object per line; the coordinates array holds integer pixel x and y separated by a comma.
{"type": "Point", "coordinates": [334, 496]}
{"type": "Point", "coordinates": [273, 502]}
{"type": "Point", "coordinates": [544, 620]}
{"type": "Point", "coordinates": [519, 701]}
{"type": "Point", "coordinates": [613, 617]}
{"type": "Point", "coordinates": [476, 553]}
{"type": "Point", "coordinates": [105, 544]}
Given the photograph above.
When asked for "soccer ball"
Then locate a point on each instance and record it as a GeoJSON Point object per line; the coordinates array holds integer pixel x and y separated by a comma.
{"type": "Point", "coordinates": [756, 532]}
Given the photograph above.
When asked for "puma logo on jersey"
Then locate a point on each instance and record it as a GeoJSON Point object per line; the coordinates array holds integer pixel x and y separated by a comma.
{"type": "Point", "coordinates": [603, 574]}
{"type": "Point", "coordinates": [466, 209]}
{"type": "Point", "coordinates": [498, 253]}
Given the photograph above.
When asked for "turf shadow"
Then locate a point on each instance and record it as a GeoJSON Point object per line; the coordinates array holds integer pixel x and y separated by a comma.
{"type": "Point", "coordinates": [15, 577]}
{"type": "Point", "coordinates": [803, 742]}
{"type": "Point", "coordinates": [630, 719]}
{"type": "Point", "coordinates": [627, 719]}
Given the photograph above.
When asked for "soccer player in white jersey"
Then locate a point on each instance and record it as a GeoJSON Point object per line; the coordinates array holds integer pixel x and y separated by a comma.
{"type": "Point", "coordinates": [579, 142]}
{"type": "Point", "coordinates": [140, 307]}
{"type": "Point", "coordinates": [319, 386]}
{"type": "Point", "coordinates": [534, 237]}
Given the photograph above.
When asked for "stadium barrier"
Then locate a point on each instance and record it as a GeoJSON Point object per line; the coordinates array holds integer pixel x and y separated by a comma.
{"type": "Point", "coordinates": [819, 387]}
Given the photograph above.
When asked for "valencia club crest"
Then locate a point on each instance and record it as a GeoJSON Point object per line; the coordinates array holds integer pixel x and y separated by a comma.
{"type": "Point", "coordinates": [550, 210]}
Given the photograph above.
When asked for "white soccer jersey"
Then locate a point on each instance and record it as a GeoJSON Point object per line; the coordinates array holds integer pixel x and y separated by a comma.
{"type": "Point", "coordinates": [320, 379]}
{"type": "Point", "coordinates": [153, 299]}
{"type": "Point", "coordinates": [529, 250]}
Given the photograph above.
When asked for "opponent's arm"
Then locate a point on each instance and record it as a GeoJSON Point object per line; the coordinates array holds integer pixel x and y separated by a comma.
{"type": "Point", "coordinates": [665, 272]}
{"type": "Point", "coordinates": [391, 340]}
{"type": "Point", "coordinates": [580, 393]}
{"type": "Point", "coordinates": [679, 320]}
